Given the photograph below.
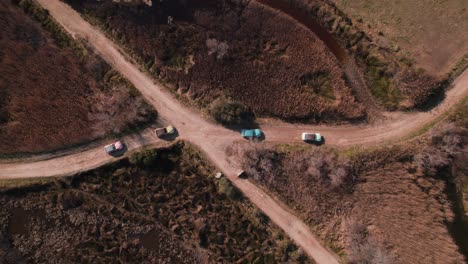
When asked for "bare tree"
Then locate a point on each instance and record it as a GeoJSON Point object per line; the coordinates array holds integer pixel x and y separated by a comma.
{"type": "Point", "coordinates": [363, 247]}
{"type": "Point", "coordinates": [262, 164]}
{"type": "Point", "coordinates": [114, 112]}
{"type": "Point", "coordinates": [220, 48]}
{"type": "Point", "coordinates": [446, 142]}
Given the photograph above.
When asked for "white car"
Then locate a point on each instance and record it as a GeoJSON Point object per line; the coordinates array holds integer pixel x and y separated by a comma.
{"type": "Point", "coordinates": [311, 137]}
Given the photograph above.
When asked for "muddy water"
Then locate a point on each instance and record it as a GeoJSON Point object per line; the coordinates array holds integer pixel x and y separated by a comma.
{"type": "Point", "coordinates": [150, 241]}
{"type": "Point", "coordinates": [307, 20]}
{"type": "Point", "coordinates": [18, 222]}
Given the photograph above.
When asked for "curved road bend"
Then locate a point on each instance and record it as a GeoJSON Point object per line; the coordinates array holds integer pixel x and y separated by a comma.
{"type": "Point", "coordinates": [213, 139]}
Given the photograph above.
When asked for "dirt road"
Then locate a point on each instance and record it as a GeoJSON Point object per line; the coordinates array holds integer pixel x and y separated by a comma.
{"type": "Point", "coordinates": [213, 139]}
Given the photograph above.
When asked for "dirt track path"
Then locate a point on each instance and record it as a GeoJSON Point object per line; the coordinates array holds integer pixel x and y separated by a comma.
{"type": "Point", "coordinates": [213, 139]}
{"type": "Point", "coordinates": [192, 127]}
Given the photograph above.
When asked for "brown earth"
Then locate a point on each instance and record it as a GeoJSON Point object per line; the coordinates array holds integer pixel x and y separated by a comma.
{"type": "Point", "coordinates": [393, 78]}
{"type": "Point", "coordinates": [432, 32]}
{"type": "Point", "coordinates": [247, 52]}
{"type": "Point", "coordinates": [173, 211]}
{"type": "Point", "coordinates": [407, 214]}
{"type": "Point", "coordinates": [46, 89]}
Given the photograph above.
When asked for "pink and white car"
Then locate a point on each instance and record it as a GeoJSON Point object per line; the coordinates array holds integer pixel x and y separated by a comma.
{"type": "Point", "coordinates": [111, 148]}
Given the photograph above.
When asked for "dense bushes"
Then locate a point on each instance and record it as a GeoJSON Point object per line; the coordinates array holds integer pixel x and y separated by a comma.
{"type": "Point", "coordinates": [145, 158]}
{"type": "Point", "coordinates": [225, 187]}
{"type": "Point", "coordinates": [128, 214]}
{"type": "Point", "coordinates": [460, 116]}
{"type": "Point", "coordinates": [446, 142]}
{"type": "Point", "coordinates": [391, 77]}
{"type": "Point", "coordinates": [231, 113]}
{"type": "Point", "coordinates": [261, 71]}
{"type": "Point", "coordinates": [315, 166]}
{"type": "Point", "coordinates": [119, 109]}
{"type": "Point", "coordinates": [363, 247]}
{"type": "Point", "coordinates": [42, 16]}
{"type": "Point", "coordinates": [51, 83]}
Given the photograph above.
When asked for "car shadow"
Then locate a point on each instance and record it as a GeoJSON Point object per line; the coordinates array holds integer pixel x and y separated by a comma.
{"type": "Point", "coordinates": [260, 139]}
{"type": "Point", "coordinates": [120, 152]}
{"type": "Point", "coordinates": [315, 143]}
{"type": "Point", "coordinates": [170, 137]}
{"type": "Point", "coordinates": [435, 99]}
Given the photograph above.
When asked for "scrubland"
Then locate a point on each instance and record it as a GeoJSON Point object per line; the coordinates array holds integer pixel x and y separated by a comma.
{"type": "Point", "coordinates": [158, 206]}
{"type": "Point", "coordinates": [54, 91]}
{"type": "Point", "coordinates": [395, 73]}
{"type": "Point", "coordinates": [430, 32]}
{"type": "Point", "coordinates": [395, 204]}
{"type": "Point", "coordinates": [240, 51]}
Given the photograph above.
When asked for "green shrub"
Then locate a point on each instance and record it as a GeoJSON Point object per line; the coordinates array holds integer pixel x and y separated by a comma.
{"type": "Point", "coordinates": [225, 187]}
{"type": "Point", "coordinates": [145, 158]}
{"type": "Point", "coordinates": [230, 113]}
{"type": "Point", "coordinates": [460, 115]}
{"type": "Point", "coordinates": [42, 16]}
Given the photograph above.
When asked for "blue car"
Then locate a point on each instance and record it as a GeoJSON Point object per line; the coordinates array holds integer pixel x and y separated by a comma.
{"type": "Point", "coordinates": [251, 133]}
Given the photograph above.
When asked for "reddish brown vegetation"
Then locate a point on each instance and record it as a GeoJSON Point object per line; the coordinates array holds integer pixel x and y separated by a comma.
{"type": "Point", "coordinates": [240, 50]}
{"type": "Point", "coordinates": [389, 205]}
{"type": "Point", "coordinates": [174, 212]}
{"type": "Point", "coordinates": [391, 77]}
{"type": "Point", "coordinates": [313, 182]}
{"type": "Point", "coordinates": [46, 89]}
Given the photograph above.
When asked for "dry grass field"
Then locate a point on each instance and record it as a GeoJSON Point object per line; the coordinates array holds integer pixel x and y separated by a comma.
{"type": "Point", "coordinates": [238, 50]}
{"type": "Point", "coordinates": [387, 205]}
{"type": "Point", "coordinates": [53, 92]}
{"type": "Point", "coordinates": [394, 76]}
{"type": "Point", "coordinates": [432, 32]}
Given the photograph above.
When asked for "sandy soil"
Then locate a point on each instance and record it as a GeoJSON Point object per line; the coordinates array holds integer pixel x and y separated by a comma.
{"type": "Point", "coordinates": [213, 139]}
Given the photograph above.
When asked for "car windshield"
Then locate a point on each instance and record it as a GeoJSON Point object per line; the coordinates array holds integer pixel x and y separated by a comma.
{"type": "Point", "coordinates": [258, 132]}
{"type": "Point", "coordinates": [109, 148]}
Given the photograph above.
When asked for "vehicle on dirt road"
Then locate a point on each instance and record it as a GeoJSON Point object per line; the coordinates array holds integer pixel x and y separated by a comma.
{"type": "Point", "coordinates": [251, 133]}
{"type": "Point", "coordinates": [311, 137]}
{"type": "Point", "coordinates": [164, 131]}
{"type": "Point", "coordinates": [114, 147]}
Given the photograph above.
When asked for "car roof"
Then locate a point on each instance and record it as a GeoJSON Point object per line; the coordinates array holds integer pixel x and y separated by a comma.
{"type": "Point", "coordinates": [118, 144]}
{"type": "Point", "coordinates": [109, 147]}
{"type": "Point", "coordinates": [251, 132]}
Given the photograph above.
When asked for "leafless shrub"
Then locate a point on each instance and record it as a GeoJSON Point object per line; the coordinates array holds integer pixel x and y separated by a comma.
{"type": "Point", "coordinates": [430, 159]}
{"type": "Point", "coordinates": [220, 48]}
{"type": "Point", "coordinates": [262, 164]}
{"type": "Point", "coordinates": [320, 166]}
{"type": "Point", "coordinates": [363, 247]}
{"type": "Point", "coordinates": [448, 138]}
{"type": "Point", "coordinates": [115, 112]}
{"type": "Point", "coordinates": [340, 173]}
{"type": "Point", "coordinates": [446, 142]}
